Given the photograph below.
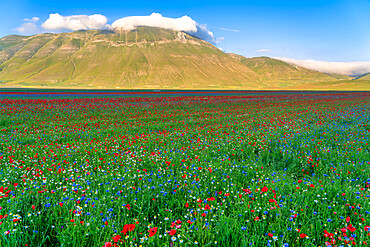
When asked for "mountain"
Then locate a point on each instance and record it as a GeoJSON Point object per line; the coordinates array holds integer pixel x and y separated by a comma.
{"type": "Point", "coordinates": [363, 77]}
{"type": "Point", "coordinates": [144, 58]}
{"type": "Point", "coordinates": [342, 85]}
{"type": "Point", "coordinates": [341, 77]}
{"type": "Point", "coordinates": [276, 72]}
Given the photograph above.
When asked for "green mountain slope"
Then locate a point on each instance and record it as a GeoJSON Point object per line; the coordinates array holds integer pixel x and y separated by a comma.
{"type": "Point", "coordinates": [341, 77]}
{"type": "Point", "coordinates": [276, 72]}
{"type": "Point", "coordinates": [145, 58]}
{"type": "Point", "coordinates": [363, 77]}
{"type": "Point", "coordinates": [342, 85]}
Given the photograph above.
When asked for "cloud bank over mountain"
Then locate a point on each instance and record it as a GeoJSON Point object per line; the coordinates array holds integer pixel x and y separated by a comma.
{"type": "Point", "coordinates": [60, 23]}
{"type": "Point", "coordinates": [185, 23]}
{"type": "Point", "coordinates": [344, 68]}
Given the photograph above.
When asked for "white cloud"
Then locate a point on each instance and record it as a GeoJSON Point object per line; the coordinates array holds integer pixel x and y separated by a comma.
{"type": "Point", "coordinates": [228, 29]}
{"type": "Point", "coordinates": [344, 68]}
{"type": "Point", "coordinates": [57, 22]}
{"type": "Point", "coordinates": [264, 51]}
{"type": "Point", "coordinates": [33, 19]}
{"type": "Point", "coordinates": [185, 23]}
{"type": "Point", "coordinates": [28, 28]}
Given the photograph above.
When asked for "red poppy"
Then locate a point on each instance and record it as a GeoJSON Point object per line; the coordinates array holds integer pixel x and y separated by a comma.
{"type": "Point", "coordinates": [152, 231]}
{"type": "Point", "coordinates": [128, 228]}
{"type": "Point", "coordinates": [302, 235]}
{"type": "Point", "coordinates": [264, 189]}
{"type": "Point", "coordinates": [172, 232]}
{"type": "Point", "coordinates": [128, 206]}
{"type": "Point", "coordinates": [116, 238]}
{"type": "Point", "coordinates": [351, 228]}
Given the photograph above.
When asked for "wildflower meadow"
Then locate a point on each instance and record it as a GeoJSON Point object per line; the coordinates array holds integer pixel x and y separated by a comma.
{"type": "Point", "coordinates": [268, 169]}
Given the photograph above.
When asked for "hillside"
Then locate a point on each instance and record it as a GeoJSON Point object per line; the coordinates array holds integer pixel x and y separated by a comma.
{"type": "Point", "coordinates": [343, 85]}
{"type": "Point", "coordinates": [276, 72]}
{"type": "Point", "coordinates": [144, 58]}
{"type": "Point", "coordinates": [363, 77]}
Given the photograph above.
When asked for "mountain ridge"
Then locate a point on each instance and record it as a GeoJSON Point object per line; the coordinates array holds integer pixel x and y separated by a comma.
{"type": "Point", "coordinates": [143, 58]}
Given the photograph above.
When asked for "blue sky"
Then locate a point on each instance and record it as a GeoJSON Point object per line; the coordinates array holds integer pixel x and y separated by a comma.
{"type": "Point", "coordinates": [327, 30]}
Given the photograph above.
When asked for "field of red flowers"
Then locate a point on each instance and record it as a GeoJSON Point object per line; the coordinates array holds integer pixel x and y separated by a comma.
{"type": "Point", "coordinates": [195, 170]}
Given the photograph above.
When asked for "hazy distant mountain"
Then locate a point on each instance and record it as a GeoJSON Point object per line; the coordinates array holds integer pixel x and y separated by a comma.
{"type": "Point", "coordinates": [150, 58]}
{"type": "Point", "coordinates": [363, 77]}
{"type": "Point", "coordinates": [276, 72]}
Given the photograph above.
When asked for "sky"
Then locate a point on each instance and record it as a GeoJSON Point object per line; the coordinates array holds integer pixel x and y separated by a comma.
{"type": "Point", "coordinates": [302, 30]}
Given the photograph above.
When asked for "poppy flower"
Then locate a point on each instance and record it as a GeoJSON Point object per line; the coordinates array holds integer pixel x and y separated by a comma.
{"type": "Point", "coordinates": [351, 228]}
{"type": "Point", "coordinates": [172, 232]}
{"type": "Point", "coordinates": [128, 228]}
{"type": "Point", "coordinates": [152, 231]}
{"type": "Point", "coordinates": [116, 238]}
{"type": "Point", "coordinates": [302, 235]}
{"type": "Point", "coordinates": [108, 244]}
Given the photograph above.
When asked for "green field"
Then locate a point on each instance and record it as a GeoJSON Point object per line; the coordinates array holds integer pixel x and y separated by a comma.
{"type": "Point", "coordinates": [246, 169]}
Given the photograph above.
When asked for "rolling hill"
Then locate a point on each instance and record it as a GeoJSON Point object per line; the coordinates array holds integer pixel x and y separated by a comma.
{"type": "Point", "coordinates": [144, 58]}
{"type": "Point", "coordinates": [276, 72]}
{"type": "Point", "coordinates": [363, 77]}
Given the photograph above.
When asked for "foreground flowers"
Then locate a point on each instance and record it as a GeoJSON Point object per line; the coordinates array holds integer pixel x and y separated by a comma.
{"type": "Point", "coordinates": [249, 170]}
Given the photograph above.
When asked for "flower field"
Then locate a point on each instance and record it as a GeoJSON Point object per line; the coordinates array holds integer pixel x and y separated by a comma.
{"type": "Point", "coordinates": [196, 170]}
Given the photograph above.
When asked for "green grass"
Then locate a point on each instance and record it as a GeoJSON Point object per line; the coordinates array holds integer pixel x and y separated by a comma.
{"type": "Point", "coordinates": [243, 156]}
